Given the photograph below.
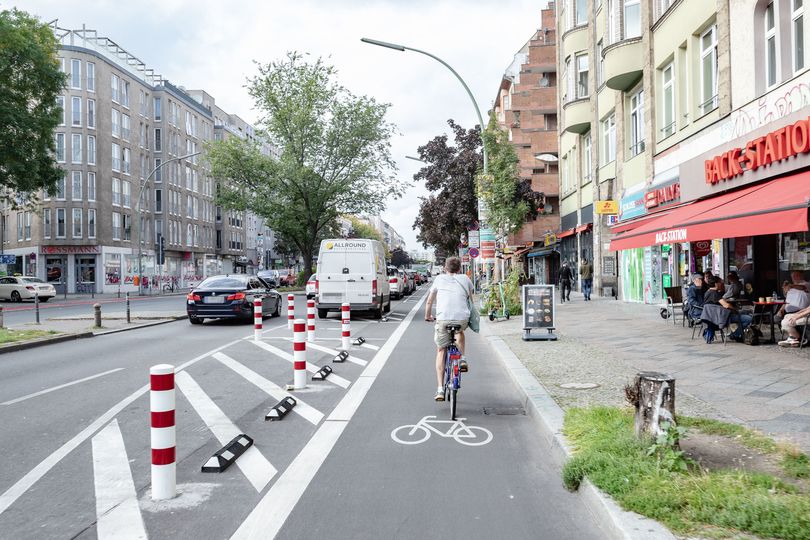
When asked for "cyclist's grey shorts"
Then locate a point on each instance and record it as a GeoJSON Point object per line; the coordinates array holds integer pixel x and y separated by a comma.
{"type": "Point", "coordinates": [441, 336]}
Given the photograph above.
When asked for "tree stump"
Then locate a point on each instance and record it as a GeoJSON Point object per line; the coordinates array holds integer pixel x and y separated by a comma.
{"type": "Point", "coordinates": [653, 396]}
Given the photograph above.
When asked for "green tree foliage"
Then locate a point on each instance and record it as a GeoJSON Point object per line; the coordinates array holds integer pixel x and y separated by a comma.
{"type": "Point", "coordinates": [30, 81]}
{"type": "Point", "coordinates": [449, 174]}
{"type": "Point", "coordinates": [361, 229]}
{"type": "Point", "coordinates": [335, 154]}
{"type": "Point", "coordinates": [400, 257]}
{"type": "Point", "coordinates": [509, 201]}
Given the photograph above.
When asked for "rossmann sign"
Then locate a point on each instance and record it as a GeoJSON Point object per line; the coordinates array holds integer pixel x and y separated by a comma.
{"type": "Point", "coordinates": [771, 148]}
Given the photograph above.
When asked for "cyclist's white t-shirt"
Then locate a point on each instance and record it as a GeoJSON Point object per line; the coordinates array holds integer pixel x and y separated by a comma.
{"type": "Point", "coordinates": [451, 297]}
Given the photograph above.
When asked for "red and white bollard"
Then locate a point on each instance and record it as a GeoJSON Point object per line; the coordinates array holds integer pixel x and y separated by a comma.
{"type": "Point", "coordinates": [257, 319]}
{"type": "Point", "coordinates": [311, 321]}
{"type": "Point", "coordinates": [290, 311]}
{"type": "Point", "coordinates": [299, 355]}
{"type": "Point", "coordinates": [345, 327]}
{"type": "Point", "coordinates": [161, 404]}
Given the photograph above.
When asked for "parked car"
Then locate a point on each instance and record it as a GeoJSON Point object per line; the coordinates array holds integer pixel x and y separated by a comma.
{"type": "Point", "coordinates": [231, 296]}
{"type": "Point", "coordinates": [19, 288]}
{"type": "Point", "coordinates": [271, 277]}
{"type": "Point", "coordinates": [312, 286]}
{"type": "Point", "coordinates": [417, 279]}
{"type": "Point", "coordinates": [407, 283]}
{"type": "Point", "coordinates": [394, 282]}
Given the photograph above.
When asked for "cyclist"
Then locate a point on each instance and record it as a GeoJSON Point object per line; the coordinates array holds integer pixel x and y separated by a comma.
{"type": "Point", "coordinates": [450, 291]}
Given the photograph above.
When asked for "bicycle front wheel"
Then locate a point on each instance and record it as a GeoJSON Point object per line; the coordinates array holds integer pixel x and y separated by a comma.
{"type": "Point", "coordinates": [410, 434]}
{"type": "Point", "coordinates": [453, 401]}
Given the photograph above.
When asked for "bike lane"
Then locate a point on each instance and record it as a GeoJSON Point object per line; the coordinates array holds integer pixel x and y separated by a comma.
{"type": "Point", "coordinates": [371, 486]}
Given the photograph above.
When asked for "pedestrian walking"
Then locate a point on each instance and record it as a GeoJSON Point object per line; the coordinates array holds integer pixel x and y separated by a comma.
{"type": "Point", "coordinates": [566, 277]}
{"type": "Point", "coordinates": [586, 273]}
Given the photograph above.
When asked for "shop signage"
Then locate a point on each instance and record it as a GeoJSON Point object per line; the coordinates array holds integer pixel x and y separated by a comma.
{"type": "Point", "coordinates": [632, 206]}
{"type": "Point", "coordinates": [607, 207]}
{"type": "Point", "coordinates": [672, 235]}
{"type": "Point", "coordinates": [538, 306]}
{"type": "Point", "coordinates": [550, 239]}
{"type": "Point", "coordinates": [8, 259]}
{"type": "Point", "coordinates": [474, 239]}
{"type": "Point", "coordinates": [69, 250]}
{"type": "Point", "coordinates": [659, 196]}
{"type": "Point", "coordinates": [703, 248]}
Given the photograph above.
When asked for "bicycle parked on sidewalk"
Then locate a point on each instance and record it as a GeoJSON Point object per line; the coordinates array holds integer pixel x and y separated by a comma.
{"type": "Point", "coordinates": [171, 286]}
{"type": "Point", "coordinates": [452, 372]}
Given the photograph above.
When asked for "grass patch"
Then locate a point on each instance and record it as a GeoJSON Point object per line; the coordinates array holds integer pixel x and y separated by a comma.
{"type": "Point", "coordinates": [748, 438]}
{"type": "Point", "coordinates": [11, 336]}
{"type": "Point", "coordinates": [716, 503]}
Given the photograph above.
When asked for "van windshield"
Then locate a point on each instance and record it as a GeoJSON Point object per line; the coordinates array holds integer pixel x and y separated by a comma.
{"type": "Point", "coordinates": [335, 261]}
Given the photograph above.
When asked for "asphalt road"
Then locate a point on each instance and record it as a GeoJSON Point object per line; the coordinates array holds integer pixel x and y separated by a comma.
{"type": "Point", "coordinates": [77, 458]}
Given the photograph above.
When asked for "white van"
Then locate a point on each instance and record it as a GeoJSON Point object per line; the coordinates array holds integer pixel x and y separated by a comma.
{"type": "Point", "coordinates": [352, 270]}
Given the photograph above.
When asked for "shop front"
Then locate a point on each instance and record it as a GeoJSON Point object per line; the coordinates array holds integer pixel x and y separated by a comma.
{"type": "Point", "coordinates": [69, 269]}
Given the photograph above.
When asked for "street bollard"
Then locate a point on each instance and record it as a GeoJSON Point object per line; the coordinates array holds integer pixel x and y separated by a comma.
{"type": "Point", "coordinates": [311, 321]}
{"type": "Point", "coordinates": [257, 319]}
{"type": "Point", "coordinates": [36, 305]}
{"type": "Point", "coordinates": [299, 355]}
{"type": "Point", "coordinates": [346, 333]}
{"type": "Point", "coordinates": [128, 312]}
{"type": "Point", "coordinates": [97, 314]}
{"type": "Point", "coordinates": [162, 434]}
{"type": "Point", "coordinates": [290, 311]}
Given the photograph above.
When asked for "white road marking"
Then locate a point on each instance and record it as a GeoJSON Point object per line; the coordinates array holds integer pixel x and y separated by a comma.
{"type": "Point", "coordinates": [370, 346]}
{"type": "Point", "coordinates": [252, 463]}
{"type": "Point", "coordinates": [306, 411]}
{"type": "Point", "coordinates": [312, 368]}
{"type": "Point", "coordinates": [267, 518]}
{"type": "Point", "coordinates": [24, 484]}
{"type": "Point", "coordinates": [117, 510]}
{"type": "Point", "coordinates": [333, 352]}
{"type": "Point", "coordinates": [35, 394]}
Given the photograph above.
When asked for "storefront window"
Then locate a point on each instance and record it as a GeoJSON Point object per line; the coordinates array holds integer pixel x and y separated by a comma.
{"type": "Point", "coordinates": [794, 257]}
{"type": "Point", "coordinates": [632, 261]}
{"type": "Point", "coordinates": [740, 256]}
{"type": "Point", "coordinates": [112, 268]}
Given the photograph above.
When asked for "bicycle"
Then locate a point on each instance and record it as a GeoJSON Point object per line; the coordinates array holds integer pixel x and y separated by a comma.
{"type": "Point", "coordinates": [457, 430]}
{"type": "Point", "coordinates": [452, 373]}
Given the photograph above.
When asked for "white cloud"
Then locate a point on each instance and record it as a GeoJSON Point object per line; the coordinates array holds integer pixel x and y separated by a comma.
{"type": "Point", "coordinates": [212, 45]}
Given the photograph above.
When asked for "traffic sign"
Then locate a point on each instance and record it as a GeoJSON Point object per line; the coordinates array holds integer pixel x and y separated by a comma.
{"type": "Point", "coordinates": [474, 239]}
{"type": "Point", "coordinates": [473, 252]}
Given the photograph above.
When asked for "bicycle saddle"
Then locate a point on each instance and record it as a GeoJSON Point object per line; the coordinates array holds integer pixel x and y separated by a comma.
{"type": "Point", "coordinates": [453, 327]}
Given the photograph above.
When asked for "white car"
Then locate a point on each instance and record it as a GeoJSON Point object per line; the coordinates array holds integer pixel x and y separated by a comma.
{"type": "Point", "coordinates": [19, 288]}
{"type": "Point", "coordinates": [394, 282]}
{"type": "Point", "coordinates": [312, 286]}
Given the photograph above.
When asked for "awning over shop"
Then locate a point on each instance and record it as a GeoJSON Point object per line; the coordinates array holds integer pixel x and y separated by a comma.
{"type": "Point", "coordinates": [774, 207]}
{"type": "Point", "coordinates": [569, 232]}
{"type": "Point", "coordinates": [583, 228]}
{"type": "Point", "coordinates": [541, 252]}
{"type": "Point", "coordinates": [631, 224]}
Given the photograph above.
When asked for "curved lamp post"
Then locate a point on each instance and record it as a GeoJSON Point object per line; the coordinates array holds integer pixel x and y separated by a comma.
{"type": "Point", "coordinates": [138, 213]}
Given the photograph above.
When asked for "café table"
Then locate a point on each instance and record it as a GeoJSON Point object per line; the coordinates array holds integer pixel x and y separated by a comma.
{"type": "Point", "coordinates": [767, 308]}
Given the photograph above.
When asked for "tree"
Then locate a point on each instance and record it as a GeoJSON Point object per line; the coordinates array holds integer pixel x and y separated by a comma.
{"type": "Point", "coordinates": [30, 81]}
{"type": "Point", "coordinates": [335, 154]}
{"type": "Point", "coordinates": [400, 257]}
{"type": "Point", "coordinates": [450, 173]}
{"type": "Point", "coordinates": [361, 229]}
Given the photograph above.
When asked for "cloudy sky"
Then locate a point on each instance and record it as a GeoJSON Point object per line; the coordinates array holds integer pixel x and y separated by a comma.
{"type": "Point", "coordinates": [212, 44]}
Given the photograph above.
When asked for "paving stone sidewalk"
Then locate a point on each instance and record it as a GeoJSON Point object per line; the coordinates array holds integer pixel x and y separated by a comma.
{"type": "Point", "coordinates": [607, 342]}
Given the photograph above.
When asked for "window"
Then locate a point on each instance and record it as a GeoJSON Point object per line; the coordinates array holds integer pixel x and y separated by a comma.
{"type": "Point", "coordinates": [708, 70]}
{"type": "Point", "coordinates": [76, 148]}
{"type": "Point", "coordinates": [568, 77]}
{"type": "Point", "coordinates": [61, 226]}
{"type": "Point", "coordinates": [60, 102]}
{"type": "Point", "coordinates": [116, 225]}
{"type": "Point", "coordinates": [116, 123]}
{"type": "Point", "coordinates": [76, 74]}
{"type": "Point", "coordinates": [188, 177]}
{"type": "Point", "coordinates": [127, 194]}
{"type": "Point", "coordinates": [158, 230]}
{"type": "Point", "coordinates": [115, 82]}
{"type": "Point", "coordinates": [142, 136]}
{"type": "Point", "coordinates": [91, 77]}
{"type": "Point", "coordinates": [125, 125]}
{"type": "Point", "coordinates": [158, 200]}
{"type": "Point", "coordinates": [189, 235]}
{"type": "Point", "coordinates": [770, 45]}
{"type": "Point", "coordinates": [91, 150]}
{"type": "Point", "coordinates": [77, 223]}
{"type": "Point", "coordinates": [142, 102]}
{"type": "Point", "coordinates": [566, 177]}
{"type": "Point", "coordinates": [60, 188]}
{"type": "Point", "coordinates": [28, 225]}
{"type": "Point", "coordinates": [637, 123]}
{"type": "Point", "coordinates": [76, 186]}
{"type": "Point", "coordinates": [582, 75]}
{"type": "Point", "coordinates": [158, 144]}
{"type": "Point", "coordinates": [158, 172]}
{"type": "Point", "coordinates": [91, 113]}
{"type": "Point", "coordinates": [188, 123]}
{"type": "Point", "coordinates": [127, 219]}
{"type": "Point", "coordinates": [143, 166]}
{"type": "Point", "coordinates": [46, 223]}
{"type": "Point", "coordinates": [157, 106]}
{"type": "Point", "coordinates": [125, 94]}
{"type": "Point", "coordinates": [116, 191]}
{"type": "Point", "coordinates": [76, 111]}
{"type": "Point", "coordinates": [60, 147]}
{"type": "Point", "coordinates": [668, 100]}
{"type": "Point", "coordinates": [587, 171]}
{"type": "Point", "coordinates": [600, 65]}
{"type": "Point", "coordinates": [581, 15]}
{"type": "Point", "coordinates": [189, 207]}
{"type": "Point", "coordinates": [126, 161]}
{"type": "Point", "coordinates": [19, 226]}
{"type": "Point", "coordinates": [797, 35]}
{"type": "Point", "coordinates": [116, 157]}
{"type": "Point", "coordinates": [608, 139]}
{"type": "Point", "coordinates": [91, 186]}
{"type": "Point", "coordinates": [91, 223]}
{"type": "Point", "coordinates": [632, 18]}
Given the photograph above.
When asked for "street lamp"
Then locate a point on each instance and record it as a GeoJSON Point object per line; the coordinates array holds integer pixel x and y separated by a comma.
{"type": "Point", "coordinates": [138, 212]}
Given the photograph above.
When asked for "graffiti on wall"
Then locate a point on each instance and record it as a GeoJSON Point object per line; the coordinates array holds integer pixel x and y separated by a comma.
{"type": "Point", "coordinates": [768, 108]}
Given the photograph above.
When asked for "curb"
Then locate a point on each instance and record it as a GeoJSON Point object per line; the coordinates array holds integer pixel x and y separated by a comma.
{"type": "Point", "coordinates": [129, 328]}
{"type": "Point", "coordinates": [615, 522]}
{"type": "Point", "coordinates": [13, 347]}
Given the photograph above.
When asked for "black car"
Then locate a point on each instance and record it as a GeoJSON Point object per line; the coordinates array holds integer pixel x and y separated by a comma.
{"type": "Point", "coordinates": [231, 297]}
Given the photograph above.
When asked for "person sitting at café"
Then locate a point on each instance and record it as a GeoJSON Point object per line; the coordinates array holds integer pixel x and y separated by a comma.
{"type": "Point", "coordinates": [748, 292]}
{"type": "Point", "coordinates": [797, 277]}
{"type": "Point", "coordinates": [796, 299]}
{"type": "Point", "coordinates": [715, 296]}
{"type": "Point", "coordinates": [734, 289]}
{"type": "Point", "coordinates": [790, 324]}
{"type": "Point", "coordinates": [706, 275]}
{"type": "Point", "coordinates": [694, 297]}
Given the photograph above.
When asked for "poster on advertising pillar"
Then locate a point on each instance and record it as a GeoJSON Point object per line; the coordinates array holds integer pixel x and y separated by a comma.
{"type": "Point", "coordinates": [539, 312]}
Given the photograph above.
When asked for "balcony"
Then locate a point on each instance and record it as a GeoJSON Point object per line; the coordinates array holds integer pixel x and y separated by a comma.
{"type": "Point", "coordinates": [577, 116]}
{"type": "Point", "coordinates": [624, 63]}
{"type": "Point", "coordinates": [575, 39]}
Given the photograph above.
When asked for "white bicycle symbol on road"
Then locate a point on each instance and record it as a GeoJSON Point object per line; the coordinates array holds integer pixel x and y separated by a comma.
{"type": "Point", "coordinates": [455, 429]}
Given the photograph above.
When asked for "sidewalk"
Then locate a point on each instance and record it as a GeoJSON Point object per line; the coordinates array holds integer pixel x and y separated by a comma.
{"type": "Point", "coordinates": [606, 342]}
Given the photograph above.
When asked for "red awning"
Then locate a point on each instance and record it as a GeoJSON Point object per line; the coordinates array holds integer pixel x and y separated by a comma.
{"type": "Point", "coordinates": [583, 228]}
{"type": "Point", "coordinates": [631, 224]}
{"type": "Point", "coordinates": [774, 207]}
{"type": "Point", "coordinates": [569, 232]}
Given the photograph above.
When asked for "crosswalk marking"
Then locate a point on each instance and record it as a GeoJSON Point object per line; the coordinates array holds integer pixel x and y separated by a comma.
{"type": "Point", "coordinates": [353, 359]}
{"type": "Point", "coordinates": [253, 464]}
{"type": "Point", "coordinates": [306, 411]}
{"type": "Point", "coordinates": [117, 511]}
{"type": "Point", "coordinates": [312, 368]}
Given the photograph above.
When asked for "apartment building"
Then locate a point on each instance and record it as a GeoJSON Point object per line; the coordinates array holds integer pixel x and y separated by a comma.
{"type": "Point", "coordinates": [526, 106]}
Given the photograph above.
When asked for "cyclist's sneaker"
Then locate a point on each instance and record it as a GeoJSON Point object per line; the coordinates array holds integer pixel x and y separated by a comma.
{"type": "Point", "coordinates": [439, 395]}
{"type": "Point", "coordinates": [463, 366]}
